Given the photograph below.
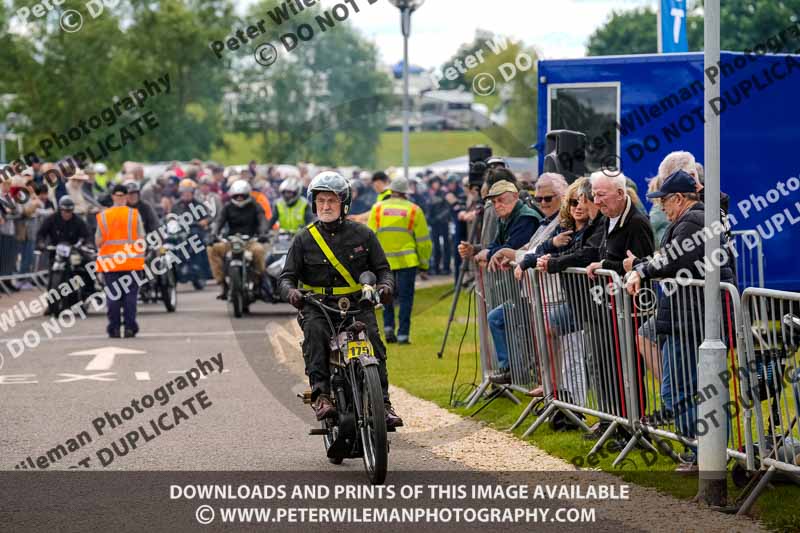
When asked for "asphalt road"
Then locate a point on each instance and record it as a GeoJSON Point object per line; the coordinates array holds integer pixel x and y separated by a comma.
{"type": "Point", "coordinates": [52, 393]}
{"type": "Point", "coordinates": [245, 418]}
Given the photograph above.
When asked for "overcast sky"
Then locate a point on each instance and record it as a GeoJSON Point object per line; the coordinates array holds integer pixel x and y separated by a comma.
{"type": "Point", "coordinates": [557, 28]}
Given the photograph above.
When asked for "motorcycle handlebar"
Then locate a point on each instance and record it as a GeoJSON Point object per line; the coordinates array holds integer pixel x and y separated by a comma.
{"type": "Point", "coordinates": [374, 300]}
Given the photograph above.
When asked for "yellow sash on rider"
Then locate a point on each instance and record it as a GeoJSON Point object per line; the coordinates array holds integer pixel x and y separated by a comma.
{"type": "Point", "coordinates": [352, 287]}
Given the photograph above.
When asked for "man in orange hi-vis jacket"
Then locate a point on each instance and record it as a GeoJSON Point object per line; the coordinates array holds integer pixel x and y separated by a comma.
{"type": "Point", "coordinates": [120, 242]}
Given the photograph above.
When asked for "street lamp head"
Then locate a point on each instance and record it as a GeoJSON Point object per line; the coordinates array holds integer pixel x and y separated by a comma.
{"type": "Point", "coordinates": [410, 5]}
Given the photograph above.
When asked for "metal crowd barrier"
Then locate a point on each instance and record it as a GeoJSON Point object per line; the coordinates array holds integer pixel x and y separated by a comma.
{"type": "Point", "coordinates": [487, 355]}
{"type": "Point", "coordinates": [594, 351]}
{"type": "Point", "coordinates": [9, 250]}
{"type": "Point", "coordinates": [773, 320]}
{"type": "Point", "coordinates": [587, 336]}
{"type": "Point", "coordinates": [668, 378]}
{"type": "Point", "coordinates": [749, 258]}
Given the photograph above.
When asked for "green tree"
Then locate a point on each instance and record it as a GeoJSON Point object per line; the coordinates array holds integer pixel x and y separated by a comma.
{"type": "Point", "coordinates": [466, 49]}
{"type": "Point", "coordinates": [61, 78]}
{"type": "Point", "coordinates": [515, 95]}
{"type": "Point", "coordinates": [324, 100]}
{"type": "Point", "coordinates": [743, 24]}
{"type": "Point", "coordinates": [636, 32]}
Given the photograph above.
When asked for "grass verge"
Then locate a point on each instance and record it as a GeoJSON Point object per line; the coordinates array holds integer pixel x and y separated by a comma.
{"type": "Point", "coordinates": [417, 369]}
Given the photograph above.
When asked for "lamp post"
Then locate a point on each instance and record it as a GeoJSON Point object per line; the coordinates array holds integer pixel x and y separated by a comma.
{"type": "Point", "coordinates": [712, 486]}
{"type": "Point", "coordinates": [406, 7]}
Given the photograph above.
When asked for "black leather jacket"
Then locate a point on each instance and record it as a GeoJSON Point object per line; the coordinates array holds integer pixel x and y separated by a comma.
{"type": "Point", "coordinates": [353, 244]}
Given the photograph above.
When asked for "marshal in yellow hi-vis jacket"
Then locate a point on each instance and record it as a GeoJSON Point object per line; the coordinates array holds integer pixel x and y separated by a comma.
{"type": "Point", "coordinates": [401, 229]}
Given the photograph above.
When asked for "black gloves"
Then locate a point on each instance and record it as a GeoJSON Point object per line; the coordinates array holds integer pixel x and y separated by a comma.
{"type": "Point", "coordinates": [296, 298]}
{"type": "Point", "coordinates": [385, 293]}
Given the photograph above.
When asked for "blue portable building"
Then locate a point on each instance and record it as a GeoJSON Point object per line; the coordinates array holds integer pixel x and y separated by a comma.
{"type": "Point", "coordinates": [636, 109]}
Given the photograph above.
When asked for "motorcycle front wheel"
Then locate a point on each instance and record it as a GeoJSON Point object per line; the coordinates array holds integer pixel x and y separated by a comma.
{"type": "Point", "coordinates": [169, 290]}
{"type": "Point", "coordinates": [236, 297]}
{"type": "Point", "coordinates": [372, 426]}
{"type": "Point", "coordinates": [59, 304]}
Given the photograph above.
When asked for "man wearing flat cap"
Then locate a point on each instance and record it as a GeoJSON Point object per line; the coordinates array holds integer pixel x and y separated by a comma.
{"type": "Point", "coordinates": [517, 222]}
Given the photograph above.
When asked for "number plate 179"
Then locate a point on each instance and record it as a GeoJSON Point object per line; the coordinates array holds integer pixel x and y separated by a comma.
{"type": "Point", "coordinates": [357, 349]}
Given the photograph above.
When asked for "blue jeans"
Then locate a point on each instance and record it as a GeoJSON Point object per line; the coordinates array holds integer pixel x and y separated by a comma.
{"type": "Point", "coordinates": [562, 320]}
{"type": "Point", "coordinates": [404, 294]}
{"type": "Point", "coordinates": [680, 369]}
{"type": "Point", "coordinates": [666, 378]}
{"type": "Point", "coordinates": [497, 325]}
{"type": "Point", "coordinates": [440, 235]}
{"type": "Point", "coordinates": [26, 249]}
{"type": "Point", "coordinates": [121, 301]}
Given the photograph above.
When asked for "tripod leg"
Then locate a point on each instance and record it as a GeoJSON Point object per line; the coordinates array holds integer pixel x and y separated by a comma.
{"type": "Point", "coordinates": [452, 312]}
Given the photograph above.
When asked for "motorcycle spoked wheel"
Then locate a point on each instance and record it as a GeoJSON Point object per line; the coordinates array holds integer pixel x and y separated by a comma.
{"type": "Point", "coordinates": [372, 425]}
{"type": "Point", "coordinates": [169, 291]}
{"type": "Point", "coordinates": [58, 305]}
{"type": "Point", "coordinates": [236, 293]}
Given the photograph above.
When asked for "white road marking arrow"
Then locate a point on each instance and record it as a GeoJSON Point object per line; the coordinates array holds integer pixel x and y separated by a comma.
{"type": "Point", "coordinates": [104, 357]}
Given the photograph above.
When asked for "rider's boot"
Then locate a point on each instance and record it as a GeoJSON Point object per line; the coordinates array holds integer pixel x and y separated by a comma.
{"type": "Point", "coordinates": [323, 407]}
{"type": "Point", "coordinates": [392, 420]}
{"type": "Point", "coordinates": [224, 294]}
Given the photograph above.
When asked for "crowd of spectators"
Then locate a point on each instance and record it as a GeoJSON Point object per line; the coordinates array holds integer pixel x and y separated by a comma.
{"type": "Point", "coordinates": [598, 223]}
{"type": "Point", "coordinates": [26, 200]}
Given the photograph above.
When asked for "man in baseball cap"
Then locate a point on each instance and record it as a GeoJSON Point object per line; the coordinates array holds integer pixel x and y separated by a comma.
{"type": "Point", "coordinates": [403, 233]}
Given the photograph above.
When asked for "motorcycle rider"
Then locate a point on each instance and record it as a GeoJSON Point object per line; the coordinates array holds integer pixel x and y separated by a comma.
{"type": "Point", "coordinates": [241, 215]}
{"type": "Point", "coordinates": [64, 226]}
{"type": "Point", "coordinates": [327, 257]}
{"type": "Point", "coordinates": [149, 218]}
{"type": "Point", "coordinates": [292, 211]}
{"type": "Point", "coordinates": [187, 204]}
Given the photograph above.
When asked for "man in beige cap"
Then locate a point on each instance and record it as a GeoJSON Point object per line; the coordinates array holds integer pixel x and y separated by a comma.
{"type": "Point", "coordinates": [517, 223]}
{"type": "Point", "coordinates": [403, 233]}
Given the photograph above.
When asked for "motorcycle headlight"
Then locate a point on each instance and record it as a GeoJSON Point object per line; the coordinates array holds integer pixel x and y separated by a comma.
{"type": "Point", "coordinates": [237, 247]}
{"type": "Point", "coordinates": [75, 259]}
{"type": "Point", "coordinates": [63, 250]}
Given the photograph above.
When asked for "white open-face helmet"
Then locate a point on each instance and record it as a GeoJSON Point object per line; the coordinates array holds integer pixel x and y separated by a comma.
{"type": "Point", "coordinates": [238, 189]}
{"type": "Point", "coordinates": [290, 190]}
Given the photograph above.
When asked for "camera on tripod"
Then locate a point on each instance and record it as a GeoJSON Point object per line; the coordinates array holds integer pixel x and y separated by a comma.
{"type": "Point", "coordinates": [478, 164]}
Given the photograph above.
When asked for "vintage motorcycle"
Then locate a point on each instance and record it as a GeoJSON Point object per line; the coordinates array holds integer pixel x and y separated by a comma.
{"type": "Point", "coordinates": [244, 284]}
{"type": "Point", "coordinates": [164, 285]}
{"type": "Point", "coordinates": [69, 260]}
{"type": "Point", "coordinates": [359, 430]}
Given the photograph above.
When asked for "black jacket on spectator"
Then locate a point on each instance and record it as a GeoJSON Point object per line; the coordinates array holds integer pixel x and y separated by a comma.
{"type": "Point", "coordinates": [437, 211]}
{"type": "Point", "coordinates": [632, 232]}
{"type": "Point", "coordinates": [689, 258]}
{"type": "Point", "coordinates": [55, 230]}
{"type": "Point", "coordinates": [724, 200]}
{"type": "Point", "coordinates": [582, 250]}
